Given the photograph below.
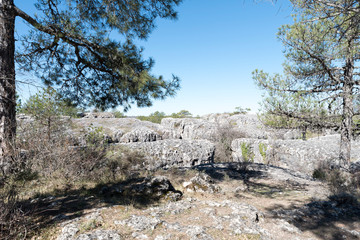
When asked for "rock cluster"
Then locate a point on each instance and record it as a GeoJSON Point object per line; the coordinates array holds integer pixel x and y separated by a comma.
{"type": "Point", "coordinates": [298, 155]}
{"type": "Point", "coordinates": [175, 152]}
{"type": "Point", "coordinates": [188, 142]}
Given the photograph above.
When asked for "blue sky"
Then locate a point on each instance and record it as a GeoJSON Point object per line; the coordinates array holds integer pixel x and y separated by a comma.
{"type": "Point", "coordinates": [213, 47]}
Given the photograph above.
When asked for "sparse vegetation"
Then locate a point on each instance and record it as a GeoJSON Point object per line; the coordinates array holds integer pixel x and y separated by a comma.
{"type": "Point", "coordinates": [223, 139]}
{"type": "Point", "coordinates": [262, 150]}
{"type": "Point", "coordinates": [247, 152]}
{"type": "Point", "coordinates": [157, 116]}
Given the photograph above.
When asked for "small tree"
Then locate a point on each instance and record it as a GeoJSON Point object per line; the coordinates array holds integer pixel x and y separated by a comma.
{"type": "Point", "coordinates": [181, 114]}
{"type": "Point", "coordinates": [154, 117]}
{"type": "Point", "coordinates": [322, 64]}
{"type": "Point", "coordinates": [241, 110]}
{"type": "Point", "coordinates": [47, 108]}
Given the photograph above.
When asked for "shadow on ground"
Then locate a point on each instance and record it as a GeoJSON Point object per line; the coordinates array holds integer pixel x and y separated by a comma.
{"type": "Point", "coordinates": [334, 219]}
{"type": "Point", "coordinates": [70, 204]}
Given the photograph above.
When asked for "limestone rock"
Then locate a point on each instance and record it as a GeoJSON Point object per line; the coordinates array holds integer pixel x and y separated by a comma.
{"type": "Point", "coordinates": [201, 183]}
{"type": "Point", "coordinates": [141, 134]}
{"type": "Point", "coordinates": [298, 155]}
{"type": "Point", "coordinates": [170, 153]}
{"type": "Point", "coordinates": [99, 115]}
{"type": "Point", "coordinates": [100, 235]}
{"type": "Point", "coordinates": [141, 223]}
{"type": "Point", "coordinates": [188, 128]}
{"type": "Point", "coordinates": [68, 232]}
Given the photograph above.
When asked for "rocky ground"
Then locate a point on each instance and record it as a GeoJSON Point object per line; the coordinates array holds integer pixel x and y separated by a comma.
{"type": "Point", "coordinates": [188, 195]}
{"type": "Point", "coordinates": [210, 202]}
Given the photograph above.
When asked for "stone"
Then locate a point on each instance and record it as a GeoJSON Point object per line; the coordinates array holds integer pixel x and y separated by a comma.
{"type": "Point", "coordinates": [99, 115]}
{"type": "Point", "coordinates": [141, 134]}
{"type": "Point", "coordinates": [201, 183]}
{"type": "Point", "coordinates": [68, 232]}
{"type": "Point", "coordinates": [297, 155]}
{"type": "Point", "coordinates": [141, 223]}
{"type": "Point", "coordinates": [170, 153]}
{"type": "Point", "coordinates": [188, 128]}
{"type": "Point", "coordinates": [100, 235]}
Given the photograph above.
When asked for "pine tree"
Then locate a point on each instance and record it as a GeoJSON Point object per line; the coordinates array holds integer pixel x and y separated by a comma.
{"type": "Point", "coordinates": [322, 58]}
{"type": "Point", "coordinates": [70, 48]}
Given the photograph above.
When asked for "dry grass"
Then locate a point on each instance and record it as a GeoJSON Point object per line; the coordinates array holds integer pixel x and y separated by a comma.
{"type": "Point", "coordinates": [41, 167]}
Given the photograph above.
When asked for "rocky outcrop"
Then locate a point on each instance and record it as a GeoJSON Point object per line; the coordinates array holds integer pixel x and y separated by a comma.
{"type": "Point", "coordinates": [99, 115]}
{"type": "Point", "coordinates": [152, 188]}
{"type": "Point", "coordinates": [116, 128]}
{"type": "Point", "coordinates": [141, 134]}
{"type": "Point", "coordinates": [174, 152]}
{"type": "Point", "coordinates": [298, 155]}
{"type": "Point", "coordinates": [201, 183]}
{"type": "Point", "coordinates": [188, 128]}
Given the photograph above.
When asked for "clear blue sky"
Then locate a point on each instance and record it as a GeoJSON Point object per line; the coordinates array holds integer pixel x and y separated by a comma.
{"type": "Point", "coordinates": [213, 47]}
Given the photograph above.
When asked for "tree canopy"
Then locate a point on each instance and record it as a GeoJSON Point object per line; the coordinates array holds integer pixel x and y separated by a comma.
{"type": "Point", "coordinates": [71, 47]}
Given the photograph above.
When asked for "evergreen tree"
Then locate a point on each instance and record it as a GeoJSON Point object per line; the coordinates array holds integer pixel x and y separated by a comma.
{"type": "Point", "coordinates": [322, 56]}
{"type": "Point", "coordinates": [70, 48]}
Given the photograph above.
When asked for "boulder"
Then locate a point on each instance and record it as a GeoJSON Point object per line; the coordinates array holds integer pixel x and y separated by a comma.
{"type": "Point", "coordinates": [170, 153]}
{"type": "Point", "coordinates": [201, 183]}
{"type": "Point", "coordinates": [141, 134]}
{"type": "Point", "coordinates": [188, 128]}
{"type": "Point", "coordinates": [298, 155]}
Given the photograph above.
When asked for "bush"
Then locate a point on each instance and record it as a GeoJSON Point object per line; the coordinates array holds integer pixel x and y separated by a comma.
{"type": "Point", "coordinates": [48, 109]}
{"type": "Point", "coordinates": [155, 117]}
{"type": "Point", "coordinates": [118, 114]}
{"type": "Point", "coordinates": [224, 136]}
{"type": "Point", "coordinates": [14, 221]}
{"type": "Point", "coordinates": [338, 180]}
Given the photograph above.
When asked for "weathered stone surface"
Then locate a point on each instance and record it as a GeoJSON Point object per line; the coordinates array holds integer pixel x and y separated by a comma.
{"type": "Point", "coordinates": [140, 134]}
{"type": "Point", "coordinates": [298, 155]}
{"type": "Point", "coordinates": [117, 127]}
{"type": "Point", "coordinates": [68, 232]}
{"type": "Point", "coordinates": [100, 235]}
{"type": "Point", "coordinates": [188, 128]}
{"type": "Point", "coordinates": [141, 223]}
{"type": "Point", "coordinates": [201, 183]}
{"type": "Point", "coordinates": [175, 153]}
{"type": "Point", "coordinates": [99, 115]}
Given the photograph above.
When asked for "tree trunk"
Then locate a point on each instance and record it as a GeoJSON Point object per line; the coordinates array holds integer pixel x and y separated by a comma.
{"type": "Point", "coordinates": [346, 127]}
{"type": "Point", "coordinates": [7, 80]}
{"type": "Point", "coordinates": [346, 121]}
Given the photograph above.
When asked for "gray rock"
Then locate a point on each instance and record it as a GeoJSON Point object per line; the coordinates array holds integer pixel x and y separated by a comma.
{"type": "Point", "coordinates": [297, 155]}
{"type": "Point", "coordinates": [188, 128]}
{"type": "Point", "coordinates": [100, 235]}
{"type": "Point", "coordinates": [141, 223]}
{"type": "Point", "coordinates": [117, 135]}
{"type": "Point", "coordinates": [201, 183]}
{"type": "Point", "coordinates": [99, 115]}
{"type": "Point", "coordinates": [141, 134]}
{"type": "Point", "coordinates": [170, 153]}
{"type": "Point", "coordinates": [68, 232]}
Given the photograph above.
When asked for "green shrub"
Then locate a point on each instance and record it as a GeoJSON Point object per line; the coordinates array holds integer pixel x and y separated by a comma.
{"type": "Point", "coordinates": [262, 150]}
{"type": "Point", "coordinates": [319, 174]}
{"type": "Point", "coordinates": [118, 114]}
{"type": "Point", "coordinates": [247, 153]}
{"type": "Point", "coordinates": [155, 117]}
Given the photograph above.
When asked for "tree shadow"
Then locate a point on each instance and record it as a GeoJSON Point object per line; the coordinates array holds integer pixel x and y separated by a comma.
{"type": "Point", "coordinates": [232, 170]}
{"type": "Point", "coordinates": [333, 219]}
{"type": "Point", "coordinates": [70, 204]}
